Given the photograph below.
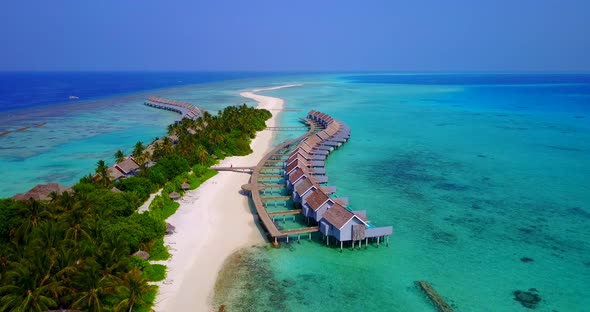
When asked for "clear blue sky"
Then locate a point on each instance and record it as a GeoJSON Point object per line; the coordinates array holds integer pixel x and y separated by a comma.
{"type": "Point", "coordinates": [302, 35]}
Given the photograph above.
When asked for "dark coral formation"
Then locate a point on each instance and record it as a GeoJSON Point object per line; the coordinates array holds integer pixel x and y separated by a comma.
{"type": "Point", "coordinates": [527, 259]}
{"type": "Point", "coordinates": [528, 299]}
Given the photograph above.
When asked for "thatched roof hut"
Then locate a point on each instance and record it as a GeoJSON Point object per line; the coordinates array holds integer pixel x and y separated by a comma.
{"type": "Point", "coordinates": [142, 254]}
{"type": "Point", "coordinates": [174, 196]}
{"type": "Point", "coordinates": [170, 229]}
{"type": "Point", "coordinates": [42, 191]}
{"type": "Point", "coordinates": [185, 186]}
{"type": "Point", "coordinates": [128, 166]}
{"type": "Point", "coordinates": [115, 174]}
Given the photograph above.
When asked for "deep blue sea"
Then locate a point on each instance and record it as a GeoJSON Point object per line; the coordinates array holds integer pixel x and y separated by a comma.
{"type": "Point", "coordinates": [22, 90]}
{"type": "Point", "coordinates": [484, 177]}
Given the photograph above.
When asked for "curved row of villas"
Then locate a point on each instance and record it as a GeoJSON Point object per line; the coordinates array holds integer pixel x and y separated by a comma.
{"type": "Point", "coordinates": [187, 110]}
{"type": "Point", "coordinates": [305, 174]}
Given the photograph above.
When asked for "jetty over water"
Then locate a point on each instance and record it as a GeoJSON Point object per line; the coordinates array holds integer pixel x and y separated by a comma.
{"type": "Point", "coordinates": [187, 110]}
{"type": "Point", "coordinates": [300, 163]}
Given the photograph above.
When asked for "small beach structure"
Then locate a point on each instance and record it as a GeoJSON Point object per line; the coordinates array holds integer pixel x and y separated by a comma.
{"type": "Point", "coordinates": [115, 174]}
{"type": "Point", "coordinates": [142, 254]}
{"type": "Point", "coordinates": [116, 190]}
{"type": "Point", "coordinates": [128, 166]}
{"type": "Point", "coordinates": [123, 169]}
{"type": "Point", "coordinates": [187, 110]}
{"type": "Point", "coordinates": [42, 192]}
{"type": "Point", "coordinates": [170, 229]}
{"type": "Point", "coordinates": [174, 196]}
{"type": "Point", "coordinates": [185, 186]}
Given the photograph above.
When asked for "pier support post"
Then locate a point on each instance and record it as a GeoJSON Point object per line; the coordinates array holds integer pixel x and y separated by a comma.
{"type": "Point", "coordinates": [287, 239]}
{"type": "Point", "coordinates": [309, 235]}
{"type": "Point", "coordinates": [327, 240]}
{"type": "Point", "coordinates": [366, 242]}
{"type": "Point", "coordinates": [299, 239]}
{"type": "Point", "coordinates": [387, 240]}
{"type": "Point", "coordinates": [341, 243]}
{"type": "Point", "coordinates": [377, 241]}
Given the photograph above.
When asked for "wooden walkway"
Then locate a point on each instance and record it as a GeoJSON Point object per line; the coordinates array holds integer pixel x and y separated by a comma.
{"type": "Point", "coordinates": [285, 212]}
{"type": "Point", "coordinates": [306, 230]}
{"type": "Point", "coordinates": [234, 169]}
{"type": "Point", "coordinates": [285, 128]}
{"type": "Point", "coordinates": [187, 110]}
{"type": "Point", "coordinates": [254, 188]}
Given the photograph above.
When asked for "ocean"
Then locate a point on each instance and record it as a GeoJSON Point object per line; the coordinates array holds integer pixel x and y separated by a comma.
{"type": "Point", "coordinates": [73, 134]}
{"type": "Point", "coordinates": [484, 177]}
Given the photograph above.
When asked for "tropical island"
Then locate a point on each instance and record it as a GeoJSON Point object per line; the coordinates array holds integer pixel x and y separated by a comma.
{"type": "Point", "coordinates": [89, 247]}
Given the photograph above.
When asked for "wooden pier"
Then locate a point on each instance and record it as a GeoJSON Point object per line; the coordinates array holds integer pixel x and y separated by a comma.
{"type": "Point", "coordinates": [275, 198]}
{"type": "Point", "coordinates": [187, 110]}
{"type": "Point", "coordinates": [234, 169]}
{"type": "Point", "coordinates": [285, 212]}
{"type": "Point", "coordinates": [303, 155]}
{"type": "Point", "coordinates": [286, 128]}
{"type": "Point", "coordinates": [436, 299]}
{"type": "Point", "coordinates": [254, 187]}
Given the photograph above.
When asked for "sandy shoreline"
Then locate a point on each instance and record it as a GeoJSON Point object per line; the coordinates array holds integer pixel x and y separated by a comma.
{"type": "Point", "coordinates": [212, 222]}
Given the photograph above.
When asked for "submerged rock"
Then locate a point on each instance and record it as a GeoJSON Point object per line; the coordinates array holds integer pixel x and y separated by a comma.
{"type": "Point", "coordinates": [527, 259]}
{"type": "Point", "coordinates": [288, 282]}
{"type": "Point", "coordinates": [527, 298]}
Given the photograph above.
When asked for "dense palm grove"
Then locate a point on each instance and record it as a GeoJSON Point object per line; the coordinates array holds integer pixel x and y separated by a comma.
{"type": "Point", "coordinates": [75, 250]}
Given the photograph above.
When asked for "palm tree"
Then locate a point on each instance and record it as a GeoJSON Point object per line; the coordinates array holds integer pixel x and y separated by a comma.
{"type": "Point", "coordinates": [24, 292]}
{"type": "Point", "coordinates": [120, 156]}
{"type": "Point", "coordinates": [31, 213]}
{"type": "Point", "coordinates": [103, 170]}
{"type": "Point", "coordinates": [138, 149]}
{"type": "Point", "coordinates": [133, 289]}
{"type": "Point", "coordinates": [92, 286]}
{"type": "Point", "coordinates": [201, 155]}
{"type": "Point", "coordinates": [112, 259]}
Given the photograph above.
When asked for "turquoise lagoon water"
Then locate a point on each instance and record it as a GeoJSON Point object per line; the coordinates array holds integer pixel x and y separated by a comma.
{"type": "Point", "coordinates": [474, 172]}
{"type": "Point", "coordinates": [79, 133]}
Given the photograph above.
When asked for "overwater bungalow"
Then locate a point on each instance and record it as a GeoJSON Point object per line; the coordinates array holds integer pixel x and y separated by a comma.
{"type": "Point", "coordinates": [302, 188]}
{"type": "Point", "coordinates": [303, 153]}
{"type": "Point", "coordinates": [303, 161]}
{"type": "Point", "coordinates": [345, 225]}
{"type": "Point", "coordinates": [304, 166]}
{"type": "Point", "coordinates": [294, 177]}
{"type": "Point", "coordinates": [187, 110]}
{"type": "Point", "coordinates": [315, 204]}
{"type": "Point", "coordinates": [304, 172]}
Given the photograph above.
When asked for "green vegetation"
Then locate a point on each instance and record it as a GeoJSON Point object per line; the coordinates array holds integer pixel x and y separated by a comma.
{"type": "Point", "coordinates": [159, 251]}
{"type": "Point", "coordinates": [75, 250]}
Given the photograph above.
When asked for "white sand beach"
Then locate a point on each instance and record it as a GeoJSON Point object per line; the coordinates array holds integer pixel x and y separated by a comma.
{"type": "Point", "coordinates": [212, 222]}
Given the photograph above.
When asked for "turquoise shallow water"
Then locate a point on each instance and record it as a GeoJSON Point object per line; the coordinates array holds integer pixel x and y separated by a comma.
{"type": "Point", "coordinates": [473, 175]}
{"type": "Point", "coordinates": [79, 133]}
